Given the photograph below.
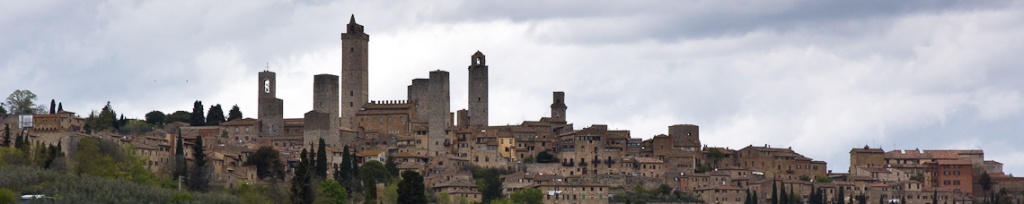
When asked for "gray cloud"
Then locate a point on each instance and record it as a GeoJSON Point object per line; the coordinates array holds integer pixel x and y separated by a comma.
{"type": "Point", "coordinates": [822, 77]}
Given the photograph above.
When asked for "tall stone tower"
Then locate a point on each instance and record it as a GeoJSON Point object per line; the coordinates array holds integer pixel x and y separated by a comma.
{"type": "Point", "coordinates": [558, 105]}
{"type": "Point", "coordinates": [439, 115]}
{"type": "Point", "coordinates": [354, 73]}
{"type": "Point", "coordinates": [685, 136]}
{"type": "Point", "coordinates": [325, 101]}
{"type": "Point", "coordinates": [478, 90]}
{"type": "Point", "coordinates": [271, 108]}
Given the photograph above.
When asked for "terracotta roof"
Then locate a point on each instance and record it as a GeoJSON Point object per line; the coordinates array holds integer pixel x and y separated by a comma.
{"type": "Point", "coordinates": [953, 162]}
{"type": "Point", "coordinates": [240, 122]}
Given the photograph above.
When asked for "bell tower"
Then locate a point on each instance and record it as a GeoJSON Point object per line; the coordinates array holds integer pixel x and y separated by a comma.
{"type": "Point", "coordinates": [354, 72]}
{"type": "Point", "coordinates": [478, 104]}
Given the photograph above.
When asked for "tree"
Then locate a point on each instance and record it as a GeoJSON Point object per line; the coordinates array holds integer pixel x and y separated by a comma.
{"type": "Point", "coordinates": [411, 189]}
{"type": "Point", "coordinates": [60, 107]}
{"type": "Point", "coordinates": [180, 167]}
{"type": "Point", "coordinates": [179, 116]}
{"type": "Point", "coordinates": [235, 113]}
{"type": "Point", "coordinates": [492, 186]}
{"type": "Point", "coordinates": [389, 164]}
{"type": "Point", "coordinates": [716, 156]}
{"type": "Point", "coordinates": [374, 169]}
{"type": "Point", "coordinates": [3, 111]}
{"type": "Point", "coordinates": [53, 106]}
{"type": "Point", "coordinates": [775, 193]}
{"type": "Point", "coordinates": [22, 102]}
{"type": "Point", "coordinates": [268, 163]}
{"type": "Point", "coordinates": [331, 192]}
{"type": "Point", "coordinates": [754, 201]}
{"type": "Point", "coordinates": [443, 197]}
{"type": "Point", "coordinates": [747, 199]}
{"type": "Point", "coordinates": [841, 197]}
{"type": "Point", "coordinates": [156, 118]}
{"type": "Point", "coordinates": [528, 196]}
{"type": "Point", "coordinates": [783, 196]}
{"type": "Point", "coordinates": [215, 116]}
{"type": "Point", "coordinates": [302, 191]}
{"type": "Point", "coordinates": [7, 136]}
{"type": "Point", "coordinates": [985, 181]}
{"type": "Point", "coordinates": [321, 160]}
{"type": "Point", "coordinates": [370, 193]}
{"type": "Point", "coordinates": [197, 118]}
{"type": "Point", "coordinates": [199, 177]}
{"type": "Point", "coordinates": [545, 157]}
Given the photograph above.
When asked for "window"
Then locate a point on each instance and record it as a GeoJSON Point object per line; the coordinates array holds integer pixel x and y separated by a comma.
{"type": "Point", "coordinates": [351, 49]}
{"type": "Point", "coordinates": [956, 182]}
{"type": "Point", "coordinates": [350, 93]}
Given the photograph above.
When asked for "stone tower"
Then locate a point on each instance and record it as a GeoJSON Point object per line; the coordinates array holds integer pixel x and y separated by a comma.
{"type": "Point", "coordinates": [271, 108]}
{"type": "Point", "coordinates": [558, 105]}
{"type": "Point", "coordinates": [685, 136]}
{"type": "Point", "coordinates": [325, 100]}
{"type": "Point", "coordinates": [354, 73]}
{"type": "Point", "coordinates": [478, 90]}
{"type": "Point", "coordinates": [418, 95]}
{"type": "Point", "coordinates": [439, 113]}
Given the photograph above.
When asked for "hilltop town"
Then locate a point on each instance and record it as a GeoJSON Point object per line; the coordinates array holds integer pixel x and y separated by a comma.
{"type": "Point", "coordinates": [567, 164]}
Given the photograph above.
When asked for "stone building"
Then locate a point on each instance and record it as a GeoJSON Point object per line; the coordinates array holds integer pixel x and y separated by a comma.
{"type": "Point", "coordinates": [566, 192]}
{"type": "Point", "coordinates": [355, 73]}
{"type": "Point", "coordinates": [478, 100]}
{"type": "Point", "coordinates": [242, 130]}
{"type": "Point", "coordinates": [866, 157]}
{"type": "Point", "coordinates": [781, 163]}
{"type": "Point", "coordinates": [439, 114]}
{"type": "Point", "coordinates": [271, 108]}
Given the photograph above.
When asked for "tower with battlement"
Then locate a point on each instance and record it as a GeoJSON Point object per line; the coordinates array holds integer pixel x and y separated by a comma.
{"type": "Point", "coordinates": [271, 108]}
{"type": "Point", "coordinates": [354, 72]}
{"type": "Point", "coordinates": [478, 104]}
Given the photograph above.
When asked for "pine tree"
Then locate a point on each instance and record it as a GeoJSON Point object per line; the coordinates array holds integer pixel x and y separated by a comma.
{"type": "Point", "coordinates": [199, 179]}
{"type": "Point", "coordinates": [321, 160]}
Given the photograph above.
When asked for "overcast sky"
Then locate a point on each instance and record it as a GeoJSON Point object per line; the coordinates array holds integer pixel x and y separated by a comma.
{"type": "Point", "coordinates": [819, 76]}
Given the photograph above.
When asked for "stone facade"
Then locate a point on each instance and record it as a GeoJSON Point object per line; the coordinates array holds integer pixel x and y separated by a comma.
{"type": "Point", "coordinates": [271, 108]}
{"type": "Point", "coordinates": [478, 100]}
{"type": "Point", "coordinates": [325, 99]}
{"type": "Point", "coordinates": [558, 107]}
{"type": "Point", "coordinates": [318, 125]}
{"type": "Point", "coordinates": [355, 73]}
{"type": "Point", "coordinates": [439, 113]}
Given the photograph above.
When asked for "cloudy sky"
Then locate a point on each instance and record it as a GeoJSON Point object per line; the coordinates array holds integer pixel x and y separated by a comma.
{"type": "Point", "coordinates": [819, 76]}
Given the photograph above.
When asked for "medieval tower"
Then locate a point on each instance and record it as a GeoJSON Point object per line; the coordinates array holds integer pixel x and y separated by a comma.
{"type": "Point", "coordinates": [439, 113]}
{"type": "Point", "coordinates": [323, 121]}
{"type": "Point", "coordinates": [558, 105]}
{"type": "Point", "coordinates": [271, 108]}
{"type": "Point", "coordinates": [354, 72]}
{"type": "Point", "coordinates": [478, 90]}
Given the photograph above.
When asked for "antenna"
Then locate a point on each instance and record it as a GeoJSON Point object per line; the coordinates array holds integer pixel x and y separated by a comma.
{"type": "Point", "coordinates": [268, 67]}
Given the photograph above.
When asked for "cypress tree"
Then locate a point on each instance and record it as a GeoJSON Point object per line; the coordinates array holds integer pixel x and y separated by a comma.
{"type": "Point", "coordinates": [199, 180]}
{"type": "Point", "coordinates": [7, 135]}
{"type": "Point", "coordinates": [179, 158]}
{"type": "Point", "coordinates": [301, 189]}
{"type": "Point", "coordinates": [840, 199]}
{"type": "Point", "coordinates": [775, 193]}
{"type": "Point", "coordinates": [754, 200]}
{"type": "Point", "coordinates": [783, 196]}
{"type": "Point", "coordinates": [935, 197]}
{"type": "Point", "coordinates": [747, 199]}
{"type": "Point", "coordinates": [60, 107]}
{"type": "Point", "coordinates": [321, 160]}
{"type": "Point", "coordinates": [53, 106]}
{"type": "Point", "coordinates": [792, 195]}
{"type": "Point", "coordinates": [197, 118]}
